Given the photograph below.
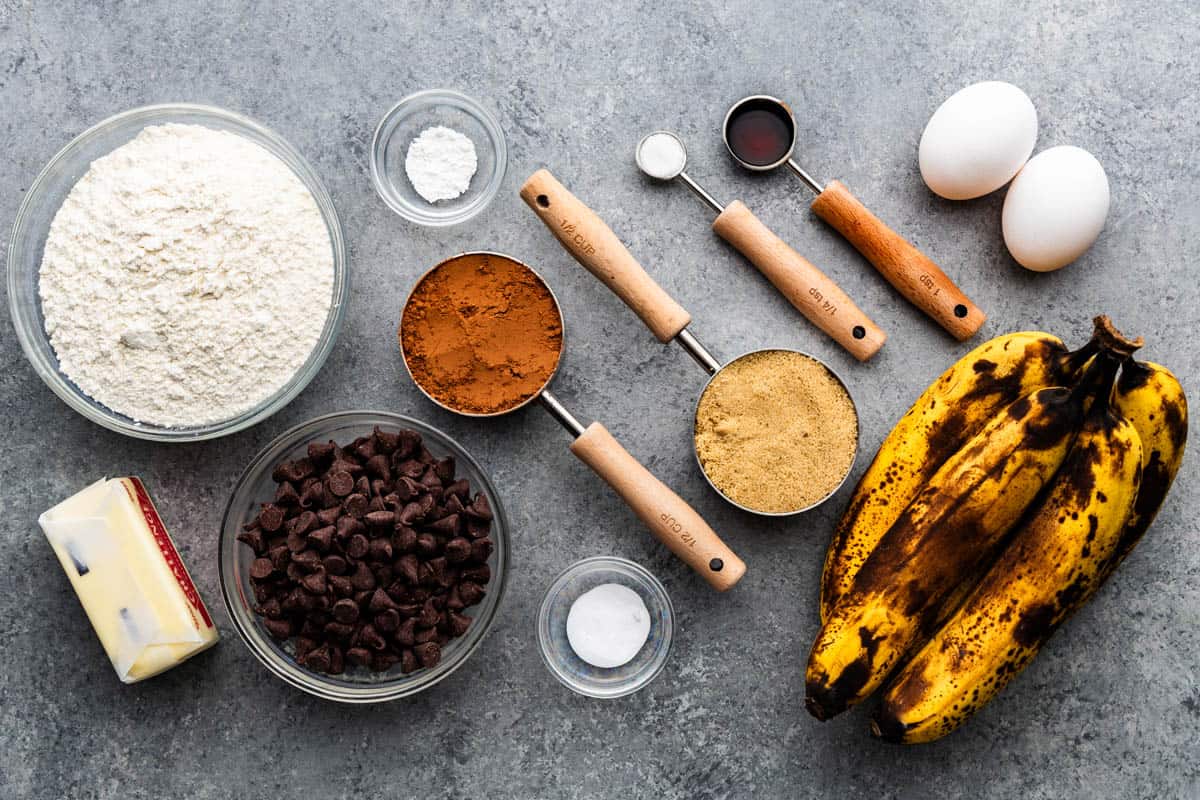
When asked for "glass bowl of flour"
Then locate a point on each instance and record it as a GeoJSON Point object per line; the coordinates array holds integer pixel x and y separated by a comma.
{"type": "Point", "coordinates": [177, 273]}
{"type": "Point", "coordinates": [438, 158]}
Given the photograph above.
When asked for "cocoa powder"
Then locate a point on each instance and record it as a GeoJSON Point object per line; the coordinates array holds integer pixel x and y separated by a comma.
{"type": "Point", "coordinates": [481, 333]}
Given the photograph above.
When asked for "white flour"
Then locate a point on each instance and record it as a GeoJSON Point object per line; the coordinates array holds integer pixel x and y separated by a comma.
{"type": "Point", "coordinates": [440, 163]}
{"type": "Point", "coordinates": [186, 277]}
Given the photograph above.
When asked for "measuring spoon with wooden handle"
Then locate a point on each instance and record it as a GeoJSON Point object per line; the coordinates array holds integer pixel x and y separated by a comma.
{"type": "Point", "coordinates": [760, 133]}
{"type": "Point", "coordinates": [662, 156]}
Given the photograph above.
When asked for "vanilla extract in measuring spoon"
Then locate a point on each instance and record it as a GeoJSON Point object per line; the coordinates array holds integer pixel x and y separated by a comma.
{"type": "Point", "coordinates": [760, 134]}
{"type": "Point", "coordinates": [662, 156]}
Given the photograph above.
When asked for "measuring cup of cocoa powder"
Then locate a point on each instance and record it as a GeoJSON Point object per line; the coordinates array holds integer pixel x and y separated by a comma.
{"type": "Point", "coordinates": [775, 430]}
{"type": "Point", "coordinates": [482, 335]}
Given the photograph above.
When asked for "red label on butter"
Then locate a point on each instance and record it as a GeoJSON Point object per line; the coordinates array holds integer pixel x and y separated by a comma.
{"type": "Point", "coordinates": [137, 492]}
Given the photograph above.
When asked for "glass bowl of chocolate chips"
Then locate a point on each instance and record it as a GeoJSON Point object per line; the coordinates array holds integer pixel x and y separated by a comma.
{"type": "Point", "coordinates": [363, 556]}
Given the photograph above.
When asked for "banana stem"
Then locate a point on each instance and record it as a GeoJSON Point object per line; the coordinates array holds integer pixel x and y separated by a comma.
{"type": "Point", "coordinates": [1111, 339]}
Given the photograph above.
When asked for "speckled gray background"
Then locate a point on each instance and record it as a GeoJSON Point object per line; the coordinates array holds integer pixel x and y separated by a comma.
{"type": "Point", "coordinates": [1111, 708]}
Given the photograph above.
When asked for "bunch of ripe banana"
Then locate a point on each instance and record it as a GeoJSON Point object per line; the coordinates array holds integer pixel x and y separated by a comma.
{"type": "Point", "coordinates": [997, 507]}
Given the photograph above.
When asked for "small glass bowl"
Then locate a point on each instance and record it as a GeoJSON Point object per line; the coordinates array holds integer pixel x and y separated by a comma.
{"type": "Point", "coordinates": [254, 487]}
{"type": "Point", "coordinates": [575, 673]}
{"type": "Point", "coordinates": [42, 202]}
{"type": "Point", "coordinates": [404, 122]}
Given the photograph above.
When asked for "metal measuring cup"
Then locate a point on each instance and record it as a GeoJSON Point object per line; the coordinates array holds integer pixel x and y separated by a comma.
{"type": "Point", "coordinates": [909, 270]}
{"type": "Point", "coordinates": [668, 516]}
{"type": "Point", "coordinates": [597, 248]}
{"type": "Point", "coordinates": [662, 156]}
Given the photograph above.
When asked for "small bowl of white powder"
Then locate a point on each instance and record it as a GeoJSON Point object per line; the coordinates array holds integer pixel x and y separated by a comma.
{"type": "Point", "coordinates": [177, 273]}
{"type": "Point", "coordinates": [605, 627]}
{"type": "Point", "coordinates": [438, 158]}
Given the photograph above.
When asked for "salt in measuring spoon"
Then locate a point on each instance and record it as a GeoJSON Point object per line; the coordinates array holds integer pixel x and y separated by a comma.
{"type": "Point", "coordinates": [668, 516]}
{"type": "Point", "coordinates": [594, 245]}
{"type": "Point", "coordinates": [760, 133]}
{"type": "Point", "coordinates": [662, 156]}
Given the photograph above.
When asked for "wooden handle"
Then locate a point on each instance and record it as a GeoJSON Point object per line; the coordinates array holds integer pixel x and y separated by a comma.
{"type": "Point", "coordinates": [594, 245]}
{"type": "Point", "coordinates": [904, 266]}
{"type": "Point", "coordinates": [806, 287]}
{"type": "Point", "coordinates": [669, 517]}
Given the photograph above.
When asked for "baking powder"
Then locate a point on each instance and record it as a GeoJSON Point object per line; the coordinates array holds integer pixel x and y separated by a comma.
{"type": "Point", "coordinates": [440, 163]}
{"type": "Point", "coordinates": [186, 277]}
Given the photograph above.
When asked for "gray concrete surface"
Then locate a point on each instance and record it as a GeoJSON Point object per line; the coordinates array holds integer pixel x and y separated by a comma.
{"type": "Point", "coordinates": [1111, 708]}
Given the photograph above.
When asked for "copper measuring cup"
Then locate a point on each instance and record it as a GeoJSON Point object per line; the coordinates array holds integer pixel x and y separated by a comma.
{"type": "Point", "coordinates": [668, 516]}
{"type": "Point", "coordinates": [909, 270]}
{"type": "Point", "coordinates": [593, 244]}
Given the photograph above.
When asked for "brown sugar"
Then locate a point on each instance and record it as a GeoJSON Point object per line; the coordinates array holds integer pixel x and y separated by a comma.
{"type": "Point", "coordinates": [776, 431]}
{"type": "Point", "coordinates": [481, 333]}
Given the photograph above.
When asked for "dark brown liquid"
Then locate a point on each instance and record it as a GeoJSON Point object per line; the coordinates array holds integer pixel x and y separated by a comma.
{"type": "Point", "coordinates": [759, 133]}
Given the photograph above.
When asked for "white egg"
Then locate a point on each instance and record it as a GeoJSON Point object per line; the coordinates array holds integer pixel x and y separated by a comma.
{"type": "Point", "coordinates": [1055, 208]}
{"type": "Point", "coordinates": [977, 140]}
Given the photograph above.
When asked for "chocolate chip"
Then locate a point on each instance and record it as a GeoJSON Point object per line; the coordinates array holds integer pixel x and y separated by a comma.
{"type": "Point", "coordinates": [358, 656]}
{"type": "Point", "coordinates": [478, 528]}
{"type": "Point", "coordinates": [321, 538]}
{"type": "Point", "coordinates": [363, 579]}
{"type": "Point", "coordinates": [457, 623]}
{"type": "Point", "coordinates": [428, 616]}
{"type": "Point", "coordinates": [339, 483]}
{"type": "Point", "coordinates": [460, 488]}
{"type": "Point", "coordinates": [254, 538]}
{"type": "Point", "coordinates": [372, 638]}
{"type": "Point", "coordinates": [410, 514]}
{"type": "Point", "coordinates": [448, 525]}
{"type": "Point", "coordinates": [321, 453]}
{"type": "Point", "coordinates": [357, 546]}
{"type": "Point", "coordinates": [429, 654]}
{"type": "Point", "coordinates": [270, 518]}
{"type": "Point", "coordinates": [349, 526]}
{"type": "Point", "coordinates": [381, 601]}
{"type": "Point", "coordinates": [471, 593]}
{"type": "Point", "coordinates": [355, 505]}
{"type": "Point", "coordinates": [479, 574]}
{"type": "Point", "coordinates": [379, 466]}
{"type": "Point", "coordinates": [328, 516]}
{"type": "Point", "coordinates": [387, 621]}
{"type": "Point", "coordinates": [314, 583]}
{"type": "Point", "coordinates": [380, 519]}
{"type": "Point", "coordinates": [425, 635]}
{"type": "Point", "coordinates": [445, 469]}
{"type": "Point", "coordinates": [345, 610]}
{"type": "Point", "coordinates": [380, 550]}
{"type": "Point", "coordinates": [481, 550]}
{"type": "Point", "coordinates": [385, 441]}
{"type": "Point", "coordinates": [334, 564]}
{"type": "Point", "coordinates": [308, 560]}
{"type": "Point", "coordinates": [318, 660]}
{"type": "Point", "coordinates": [261, 568]}
{"type": "Point", "coordinates": [427, 544]}
{"type": "Point", "coordinates": [458, 550]}
{"type": "Point", "coordinates": [278, 628]}
{"type": "Point", "coordinates": [286, 495]}
{"type": "Point", "coordinates": [480, 508]}
{"type": "Point", "coordinates": [406, 633]}
{"type": "Point", "coordinates": [342, 586]}
{"type": "Point", "coordinates": [338, 630]}
{"type": "Point", "coordinates": [408, 661]}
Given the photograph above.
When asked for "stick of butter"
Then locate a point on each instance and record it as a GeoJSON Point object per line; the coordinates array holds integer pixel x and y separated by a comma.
{"type": "Point", "coordinates": [129, 578]}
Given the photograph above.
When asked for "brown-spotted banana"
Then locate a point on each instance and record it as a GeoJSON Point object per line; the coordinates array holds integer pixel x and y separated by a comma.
{"type": "Point", "coordinates": [953, 409]}
{"type": "Point", "coordinates": [929, 559]}
{"type": "Point", "coordinates": [1053, 564]}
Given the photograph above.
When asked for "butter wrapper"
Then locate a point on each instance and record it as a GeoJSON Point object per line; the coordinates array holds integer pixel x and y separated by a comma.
{"type": "Point", "coordinates": [129, 577]}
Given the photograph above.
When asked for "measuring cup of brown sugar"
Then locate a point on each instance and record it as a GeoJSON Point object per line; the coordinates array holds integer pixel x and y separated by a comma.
{"type": "Point", "coordinates": [482, 335]}
{"type": "Point", "coordinates": [775, 431]}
